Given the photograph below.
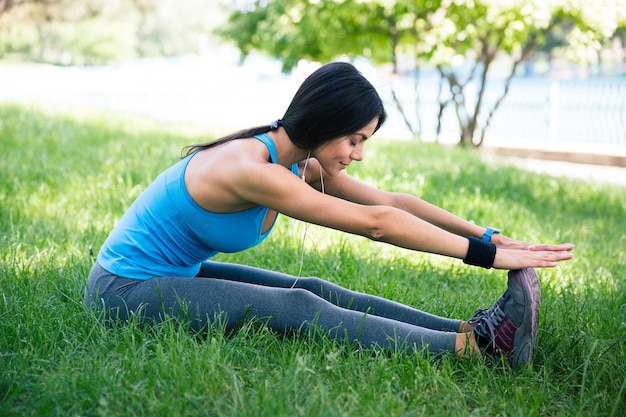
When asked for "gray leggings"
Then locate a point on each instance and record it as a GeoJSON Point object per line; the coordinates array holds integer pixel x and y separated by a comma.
{"type": "Point", "coordinates": [236, 292]}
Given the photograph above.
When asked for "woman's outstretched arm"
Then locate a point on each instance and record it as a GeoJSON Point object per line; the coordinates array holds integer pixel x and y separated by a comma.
{"type": "Point", "coordinates": [374, 214]}
{"type": "Point", "coordinates": [346, 187]}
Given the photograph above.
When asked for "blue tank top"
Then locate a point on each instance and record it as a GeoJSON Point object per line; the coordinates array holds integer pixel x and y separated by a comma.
{"type": "Point", "coordinates": [166, 233]}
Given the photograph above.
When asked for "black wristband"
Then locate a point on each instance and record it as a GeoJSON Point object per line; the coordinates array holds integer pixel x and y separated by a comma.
{"type": "Point", "coordinates": [480, 253]}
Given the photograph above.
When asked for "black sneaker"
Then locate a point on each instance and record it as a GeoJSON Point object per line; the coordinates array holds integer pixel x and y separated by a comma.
{"type": "Point", "coordinates": [509, 327]}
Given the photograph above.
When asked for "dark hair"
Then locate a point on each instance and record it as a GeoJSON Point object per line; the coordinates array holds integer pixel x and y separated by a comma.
{"type": "Point", "coordinates": [334, 101]}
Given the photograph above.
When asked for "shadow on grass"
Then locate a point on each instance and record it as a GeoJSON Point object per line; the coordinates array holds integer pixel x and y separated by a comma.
{"type": "Point", "coordinates": [65, 181]}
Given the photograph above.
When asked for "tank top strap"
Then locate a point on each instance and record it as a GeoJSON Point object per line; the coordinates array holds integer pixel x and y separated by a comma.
{"type": "Point", "coordinates": [269, 143]}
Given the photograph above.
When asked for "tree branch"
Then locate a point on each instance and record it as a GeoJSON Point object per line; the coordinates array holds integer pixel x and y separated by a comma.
{"type": "Point", "coordinates": [532, 42]}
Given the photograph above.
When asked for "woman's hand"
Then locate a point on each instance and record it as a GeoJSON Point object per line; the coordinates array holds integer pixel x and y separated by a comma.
{"type": "Point", "coordinates": [532, 257]}
{"type": "Point", "coordinates": [503, 242]}
{"type": "Point", "coordinates": [515, 254]}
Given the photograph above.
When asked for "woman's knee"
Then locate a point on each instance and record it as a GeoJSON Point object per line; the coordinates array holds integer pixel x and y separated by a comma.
{"type": "Point", "coordinates": [303, 301]}
{"type": "Point", "coordinates": [315, 285]}
{"type": "Point", "coordinates": [330, 292]}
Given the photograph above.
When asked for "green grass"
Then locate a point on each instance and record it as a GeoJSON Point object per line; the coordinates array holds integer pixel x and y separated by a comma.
{"type": "Point", "coordinates": [65, 180]}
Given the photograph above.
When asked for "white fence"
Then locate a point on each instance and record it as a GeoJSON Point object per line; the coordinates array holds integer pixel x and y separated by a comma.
{"type": "Point", "coordinates": [583, 110]}
{"type": "Point", "coordinates": [592, 110]}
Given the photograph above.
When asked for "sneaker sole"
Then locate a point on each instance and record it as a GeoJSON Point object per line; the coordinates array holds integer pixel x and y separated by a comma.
{"type": "Point", "coordinates": [523, 348]}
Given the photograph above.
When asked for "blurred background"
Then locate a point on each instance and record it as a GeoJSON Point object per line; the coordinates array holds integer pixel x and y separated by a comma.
{"type": "Point", "coordinates": [544, 76]}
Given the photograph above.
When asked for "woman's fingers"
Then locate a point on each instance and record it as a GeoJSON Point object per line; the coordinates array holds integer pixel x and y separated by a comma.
{"type": "Point", "coordinates": [563, 247]}
{"type": "Point", "coordinates": [517, 259]}
{"type": "Point", "coordinates": [516, 244]}
{"type": "Point", "coordinates": [515, 254]}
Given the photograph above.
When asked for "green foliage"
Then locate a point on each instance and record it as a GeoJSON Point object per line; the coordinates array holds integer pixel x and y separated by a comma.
{"type": "Point", "coordinates": [461, 38]}
{"type": "Point", "coordinates": [89, 42]}
{"type": "Point", "coordinates": [64, 32]}
{"type": "Point", "coordinates": [291, 30]}
{"type": "Point", "coordinates": [435, 31]}
{"type": "Point", "coordinates": [325, 29]}
{"type": "Point", "coordinates": [65, 180]}
{"type": "Point", "coordinates": [19, 39]}
{"type": "Point", "coordinates": [84, 32]}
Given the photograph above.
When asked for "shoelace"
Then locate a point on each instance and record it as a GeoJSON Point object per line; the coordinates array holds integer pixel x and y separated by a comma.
{"type": "Point", "coordinates": [483, 312]}
{"type": "Point", "coordinates": [490, 322]}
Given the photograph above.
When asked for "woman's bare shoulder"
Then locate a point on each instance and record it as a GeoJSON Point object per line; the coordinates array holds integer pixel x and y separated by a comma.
{"type": "Point", "coordinates": [213, 175]}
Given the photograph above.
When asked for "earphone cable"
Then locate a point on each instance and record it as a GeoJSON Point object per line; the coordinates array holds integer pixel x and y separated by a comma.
{"type": "Point", "coordinates": [306, 228]}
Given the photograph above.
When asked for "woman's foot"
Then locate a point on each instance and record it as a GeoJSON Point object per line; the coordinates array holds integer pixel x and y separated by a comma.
{"type": "Point", "coordinates": [509, 327]}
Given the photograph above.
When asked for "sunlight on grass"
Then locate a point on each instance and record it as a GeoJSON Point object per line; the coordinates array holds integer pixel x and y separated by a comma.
{"type": "Point", "coordinates": [65, 179]}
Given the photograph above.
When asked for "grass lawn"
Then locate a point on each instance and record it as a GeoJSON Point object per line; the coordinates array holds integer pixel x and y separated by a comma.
{"type": "Point", "coordinates": [65, 180]}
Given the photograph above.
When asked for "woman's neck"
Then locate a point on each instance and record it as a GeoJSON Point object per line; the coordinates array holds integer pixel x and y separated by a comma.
{"type": "Point", "coordinates": [287, 153]}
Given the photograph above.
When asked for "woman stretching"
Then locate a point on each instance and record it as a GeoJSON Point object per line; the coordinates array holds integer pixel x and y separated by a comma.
{"type": "Point", "coordinates": [224, 196]}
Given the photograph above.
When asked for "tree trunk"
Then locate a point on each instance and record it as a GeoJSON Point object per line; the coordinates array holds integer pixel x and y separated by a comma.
{"type": "Point", "coordinates": [416, 131]}
{"type": "Point", "coordinates": [526, 50]}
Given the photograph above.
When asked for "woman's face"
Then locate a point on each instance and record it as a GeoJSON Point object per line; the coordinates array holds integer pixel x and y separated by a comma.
{"type": "Point", "coordinates": [335, 155]}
